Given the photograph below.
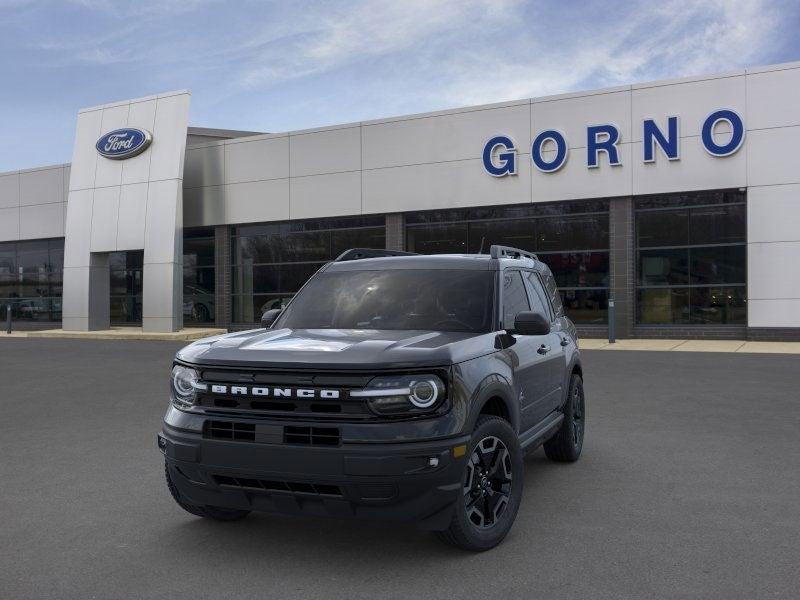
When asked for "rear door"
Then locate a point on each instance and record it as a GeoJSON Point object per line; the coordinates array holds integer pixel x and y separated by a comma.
{"type": "Point", "coordinates": [553, 355]}
{"type": "Point", "coordinates": [531, 380]}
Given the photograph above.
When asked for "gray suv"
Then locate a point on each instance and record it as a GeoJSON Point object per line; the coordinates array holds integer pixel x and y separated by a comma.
{"type": "Point", "coordinates": [393, 386]}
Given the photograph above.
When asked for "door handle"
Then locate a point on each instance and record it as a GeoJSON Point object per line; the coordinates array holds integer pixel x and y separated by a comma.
{"type": "Point", "coordinates": [543, 349]}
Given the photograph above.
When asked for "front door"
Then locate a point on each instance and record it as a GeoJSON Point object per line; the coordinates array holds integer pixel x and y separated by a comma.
{"type": "Point", "coordinates": [552, 350]}
{"type": "Point", "coordinates": [125, 269]}
{"type": "Point", "coordinates": [530, 364]}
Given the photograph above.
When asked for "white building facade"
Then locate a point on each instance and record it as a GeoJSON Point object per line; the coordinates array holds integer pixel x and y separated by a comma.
{"type": "Point", "coordinates": [678, 200]}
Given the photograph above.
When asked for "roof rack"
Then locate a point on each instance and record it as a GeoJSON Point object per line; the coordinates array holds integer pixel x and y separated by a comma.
{"type": "Point", "coordinates": [359, 253]}
{"type": "Point", "coordinates": [496, 251]}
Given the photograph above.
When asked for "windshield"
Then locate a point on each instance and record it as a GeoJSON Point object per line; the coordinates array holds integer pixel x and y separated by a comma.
{"type": "Point", "coordinates": [437, 300]}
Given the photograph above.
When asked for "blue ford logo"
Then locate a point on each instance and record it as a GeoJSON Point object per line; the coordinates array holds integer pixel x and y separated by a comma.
{"type": "Point", "coordinates": [123, 143]}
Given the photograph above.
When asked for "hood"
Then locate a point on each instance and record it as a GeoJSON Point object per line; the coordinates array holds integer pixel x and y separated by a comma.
{"type": "Point", "coordinates": [324, 349]}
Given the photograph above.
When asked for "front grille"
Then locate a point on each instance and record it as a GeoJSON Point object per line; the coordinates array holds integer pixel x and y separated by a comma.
{"type": "Point", "coordinates": [312, 436]}
{"type": "Point", "coordinates": [318, 489]}
{"type": "Point", "coordinates": [230, 430]}
{"type": "Point", "coordinates": [264, 433]}
{"type": "Point", "coordinates": [316, 408]}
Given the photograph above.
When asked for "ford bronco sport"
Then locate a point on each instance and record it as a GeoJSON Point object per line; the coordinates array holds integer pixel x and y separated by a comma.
{"type": "Point", "coordinates": [393, 386]}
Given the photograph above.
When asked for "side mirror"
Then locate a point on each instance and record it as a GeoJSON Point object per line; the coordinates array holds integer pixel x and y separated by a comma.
{"type": "Point", "coordinates": [531, 323]}
{"type": "Point", "coordinates": [269, 317]}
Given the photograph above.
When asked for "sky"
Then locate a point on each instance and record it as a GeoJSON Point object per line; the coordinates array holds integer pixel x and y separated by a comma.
{"type": "Point", "coordinates": [283, 65]}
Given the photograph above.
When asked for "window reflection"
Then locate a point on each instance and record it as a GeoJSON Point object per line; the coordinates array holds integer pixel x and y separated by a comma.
{"type": "Point", "coordinates": [572, 238]}
{"type": "Point", "coordinates": [272, 261]}
{"type": "Point", "coordinates": [126, 287]}
{"type": "Point", "coordinates": [688, 247]}
{"type": "Point", "coordinates": [31, 276]}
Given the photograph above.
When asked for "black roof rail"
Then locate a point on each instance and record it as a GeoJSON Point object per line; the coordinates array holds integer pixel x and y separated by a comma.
{"type": "Point", "coordinates": [358, 253]}
{"type": "Point", "coordinates": [508, 252]}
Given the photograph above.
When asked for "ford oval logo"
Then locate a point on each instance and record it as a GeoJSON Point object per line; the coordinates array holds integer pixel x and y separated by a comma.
{"type": "Point", "coordinates": [123, 143]}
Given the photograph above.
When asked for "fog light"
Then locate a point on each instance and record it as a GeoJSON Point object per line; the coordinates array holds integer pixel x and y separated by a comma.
{"type": "Point", "coordinates": [433, 461]}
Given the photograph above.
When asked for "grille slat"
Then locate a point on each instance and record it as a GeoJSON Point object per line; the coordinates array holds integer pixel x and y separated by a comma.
{"type": "Point", "coordinates": [273, 434]}
{"type": "Point", "coordinates": [230, 430]}
{"type": "Point", "coordinates": [292, 487]}
{"type": "Point", "coordinates": [312, 436]}
{"type": "Point", "coordinates": [316, 408]}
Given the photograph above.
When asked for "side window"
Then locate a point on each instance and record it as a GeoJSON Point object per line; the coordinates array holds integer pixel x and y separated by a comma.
{"type": "Point", "coordinates": [552, 292]}
{"type": "Point", "coordinates": [537, 295]}
{"type": "Point", "coordinates": [515, 298]}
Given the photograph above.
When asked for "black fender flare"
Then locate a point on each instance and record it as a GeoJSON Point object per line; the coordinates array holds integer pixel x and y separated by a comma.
{"type": "Point", "coordinates": [574, 365]}
{"type": "Point", "coordinates": [493, 386]}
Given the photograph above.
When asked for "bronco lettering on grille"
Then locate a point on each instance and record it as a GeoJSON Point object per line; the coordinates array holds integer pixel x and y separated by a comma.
{"type": "Point", "coordinates": [275, 392]}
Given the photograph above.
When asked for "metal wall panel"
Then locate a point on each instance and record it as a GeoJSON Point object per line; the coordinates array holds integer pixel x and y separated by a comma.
{"type": "Point", "coordinates": [331, 195]}
{"type": "Point", "coordinates": [44, 186]}
{"type": "Point", "coordinates": [326, 151]}
{"type": "Point", "coordinates": [131, 220]}
{"type": "Point", "coordinates": [259, 160]}
{"type": "Point", "coordinates": [773, 99]}
{"type": "Point", "coordinates": [41, 221]}
{"type": "Point", "coordinates": [9, 224]}
{"type": "Point", "coordinates": [9, 190]}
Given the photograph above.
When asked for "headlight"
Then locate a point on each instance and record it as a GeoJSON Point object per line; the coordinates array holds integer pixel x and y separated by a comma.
{"type": "Point", "coordinates": [185, 383]}
{"type": "Point", "coordinates": [403, 394]}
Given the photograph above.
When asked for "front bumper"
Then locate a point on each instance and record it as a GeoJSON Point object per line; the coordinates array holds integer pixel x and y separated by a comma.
{"type": "Point", "coordinates": [415, 482]}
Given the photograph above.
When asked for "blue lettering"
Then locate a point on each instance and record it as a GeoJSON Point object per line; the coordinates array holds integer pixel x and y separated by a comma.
{"type": "Point", "coordinates": [602, 138]}
{"type": "Point", "coordinates": [736, 140]}
{"type": "Point", "coordinates": [507, 158]}
{"type": "Point", "coordinates": [652, 135]}
{"type": "Point", "coordinates": [561, 151]}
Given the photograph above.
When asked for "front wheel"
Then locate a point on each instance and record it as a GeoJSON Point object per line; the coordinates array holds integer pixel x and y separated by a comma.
{"type": "Point", "coordinates": [491, 488]}
{"type": "Point", "coordinates": [566, 444]}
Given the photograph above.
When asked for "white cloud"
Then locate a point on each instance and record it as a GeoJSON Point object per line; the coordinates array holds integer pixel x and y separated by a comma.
{"type": "Point", "coordinates": [326, 38]}
{"type": "Point", "coordinates": [455, 53]}
{"type": "Point", "coordinates": [674, 40]}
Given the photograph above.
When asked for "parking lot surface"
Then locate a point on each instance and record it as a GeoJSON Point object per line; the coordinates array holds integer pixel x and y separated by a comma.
{"type": "Point", "coordinates": [689, 487]}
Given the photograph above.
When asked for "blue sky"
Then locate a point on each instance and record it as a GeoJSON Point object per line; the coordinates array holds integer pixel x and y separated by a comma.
{"type": "Point", "coordinates": [277, 66]}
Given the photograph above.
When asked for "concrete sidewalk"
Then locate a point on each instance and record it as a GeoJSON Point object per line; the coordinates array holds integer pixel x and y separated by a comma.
{"type": "Point", "coordinates": [693, 346]}
{"type": "Point", "coordinates": [119, 333]}
{"type": "Point", "coordinates": [658, 345]}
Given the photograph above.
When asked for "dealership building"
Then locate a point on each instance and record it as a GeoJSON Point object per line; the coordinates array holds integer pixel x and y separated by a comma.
{"type": "Point", "coordinates": [677, 200]}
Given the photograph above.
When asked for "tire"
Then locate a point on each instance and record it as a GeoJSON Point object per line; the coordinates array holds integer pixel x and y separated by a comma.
{"type": "Point", "coordinates": [485, 513]}
{"type": "Point", "coordinates": [566, 444]}
{"type": "Point", "coordinates": [207, 512]}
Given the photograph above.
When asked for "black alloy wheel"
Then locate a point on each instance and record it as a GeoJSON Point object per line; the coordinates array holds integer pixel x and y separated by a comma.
{"type": "Point", "coordinates": [567, 443]}
{"type": "Point", "coordinates": [487, 485]}
{"type": "Point", "coordinates": [577, 415]}
{"type": "Point", "coordinates": [491, 488]}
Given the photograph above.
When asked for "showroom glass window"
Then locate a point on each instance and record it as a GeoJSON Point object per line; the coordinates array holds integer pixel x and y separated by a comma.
{"type": "Point", "coordinates": [198, 276]}
{"type": "Point", "coordinates": [571, 237]}
{"type": "Point", "coordinates": [126, 287]}
{"type": "Point", "coordinates": [270, 262]}
{"type": "Point", "coordinates": [691, 252]}
{"type": "Point", "coordinates": [31, 278]}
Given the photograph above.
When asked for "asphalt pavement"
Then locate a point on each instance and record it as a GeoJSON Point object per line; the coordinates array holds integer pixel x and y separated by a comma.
{"type": "Point", "coordinates": [689, 487]}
